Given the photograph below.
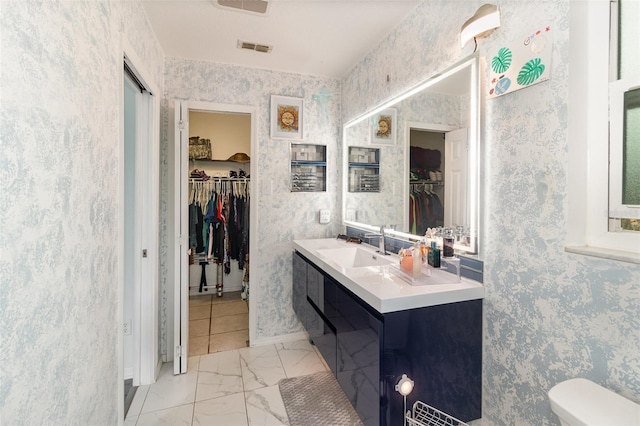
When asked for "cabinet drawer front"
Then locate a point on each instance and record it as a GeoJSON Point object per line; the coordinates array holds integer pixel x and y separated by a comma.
{"type": "Point", "coordinates": [359, 335]}
{"type": "Point", "coordinates": [323, 335]}
{"type": "Point", "coordinates": [315, 286]}
{"type": "Point", "coordinates": [299, 286]}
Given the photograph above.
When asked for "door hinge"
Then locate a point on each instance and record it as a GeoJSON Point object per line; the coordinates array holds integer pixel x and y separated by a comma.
{"type": "Point", "coordinates": [180, 352]}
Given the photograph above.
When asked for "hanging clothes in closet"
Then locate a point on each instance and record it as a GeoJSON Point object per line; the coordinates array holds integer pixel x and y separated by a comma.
{"type": "Point", "coordinates": [425, 209]}
{"type": "Point", "coordinates": [219, 226]}
{"type": "Point", "coordinates": [238, 241]}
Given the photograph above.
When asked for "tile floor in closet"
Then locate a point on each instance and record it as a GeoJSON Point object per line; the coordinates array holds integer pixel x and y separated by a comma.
{"type": "Point", "coordinates": [217, 323]}
{"type": "Point", "coordinates": [237, 387]}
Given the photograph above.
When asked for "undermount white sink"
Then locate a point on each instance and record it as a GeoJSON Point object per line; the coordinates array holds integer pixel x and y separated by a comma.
{"type": "Point", "coordinates": [354, 257]}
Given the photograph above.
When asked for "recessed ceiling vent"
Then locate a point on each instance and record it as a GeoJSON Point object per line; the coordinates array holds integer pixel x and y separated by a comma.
{"type": "Point", "coordinates": [254, 46]}
{"type": "Point", "coordinates": [259, 7]}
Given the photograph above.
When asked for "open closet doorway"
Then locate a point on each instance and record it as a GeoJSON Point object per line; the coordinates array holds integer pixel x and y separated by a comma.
{"type": "Point", "coordinates": [214, 145]}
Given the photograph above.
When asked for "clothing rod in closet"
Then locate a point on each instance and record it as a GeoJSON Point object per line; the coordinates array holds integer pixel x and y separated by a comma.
{"type": "Point", "coordinates": [219, 179]}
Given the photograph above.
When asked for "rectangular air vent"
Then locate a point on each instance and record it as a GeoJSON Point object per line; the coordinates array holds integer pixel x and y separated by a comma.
{"type": "Point", "coordinates": [262, 48]}
{"type": "Point", "coordinates": [251, 6]}
{"type": "Point", "coordinates": [254, 46]}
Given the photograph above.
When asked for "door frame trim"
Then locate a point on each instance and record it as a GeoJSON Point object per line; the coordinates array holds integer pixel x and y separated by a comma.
{"type": "Point", "coordinates": [180, 209]}
{"type": "Point", "coordinates": [145, 322]}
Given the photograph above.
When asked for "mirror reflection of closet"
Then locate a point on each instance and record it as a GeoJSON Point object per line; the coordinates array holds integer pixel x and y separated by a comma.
{"type": "Point", "coordinates": [219, 318]}
{"type": "Point", "coordinates": [426, 180]}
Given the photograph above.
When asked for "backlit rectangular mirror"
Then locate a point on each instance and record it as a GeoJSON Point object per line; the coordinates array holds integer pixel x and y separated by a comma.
{"type": "Point", "coordinates": [427, 170]}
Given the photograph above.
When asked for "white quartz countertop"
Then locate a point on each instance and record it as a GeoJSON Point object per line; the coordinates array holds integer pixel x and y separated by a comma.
{"type": "Point", "coordinates": [380, 286]}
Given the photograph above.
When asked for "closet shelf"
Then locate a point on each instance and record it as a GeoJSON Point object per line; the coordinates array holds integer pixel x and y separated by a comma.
{"type": "Point", "coordinates": [309, 163]}
{"type": "Point", "coordinates": [427, 182]}
{"type": "Point", "coordinates": [365, 165]}
{"type": "Point", "coordinates": [215, 160]}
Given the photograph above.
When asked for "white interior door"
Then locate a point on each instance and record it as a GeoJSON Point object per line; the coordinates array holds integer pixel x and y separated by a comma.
{"type": "Point", "coordinates": [140, 232]}
{"type": "Point", "coordinates": [130, 364]}
{"type": "Point", "coordinates": [145, 324]}
{"type": "Point", "coordinates": [138, 227]}
{"type": "Point", "coordinates": [181, 217]}
{"type": "Point", "coordinates": [456, 157]}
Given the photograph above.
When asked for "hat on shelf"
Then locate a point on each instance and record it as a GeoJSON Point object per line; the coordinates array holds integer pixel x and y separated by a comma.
{"type": "Point", "coordinates": [239, 157]}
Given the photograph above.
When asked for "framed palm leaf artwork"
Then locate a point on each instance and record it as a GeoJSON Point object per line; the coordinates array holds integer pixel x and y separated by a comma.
{"type": "Point", "coordinates": [525, 63]}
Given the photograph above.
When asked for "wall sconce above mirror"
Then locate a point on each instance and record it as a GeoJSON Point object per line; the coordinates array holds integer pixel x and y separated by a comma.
{"type": "Point", "coordinates": [429, 176]}
{"type": "Point", "coordinates": [481, 24]}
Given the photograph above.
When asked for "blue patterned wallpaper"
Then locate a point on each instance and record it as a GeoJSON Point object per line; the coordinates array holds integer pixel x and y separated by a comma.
{"type": "Point", "coordinates": [59, 123]}
{"type": "Point", "coordinates": [549, 315]}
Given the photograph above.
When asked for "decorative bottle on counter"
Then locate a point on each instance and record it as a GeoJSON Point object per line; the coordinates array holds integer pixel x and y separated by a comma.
{"type": "Point", "coordinates": [434, 255]}
{"type": "Point", "coordinates": [447, 243]}
{"type": "Point", "coordinates": [436, 258]}
{"type": "Point", "coordinates": [423, 250]}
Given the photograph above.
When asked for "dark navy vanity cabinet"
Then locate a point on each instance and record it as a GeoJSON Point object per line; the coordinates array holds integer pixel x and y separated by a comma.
{"type": "Point", "coordinates": [438, 347]}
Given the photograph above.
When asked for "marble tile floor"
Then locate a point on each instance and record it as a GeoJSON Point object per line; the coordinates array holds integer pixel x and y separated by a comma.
{"type": "Point", "coordinates": [217, 323]}
{"type": "Point", "coordinates": [237, 387]}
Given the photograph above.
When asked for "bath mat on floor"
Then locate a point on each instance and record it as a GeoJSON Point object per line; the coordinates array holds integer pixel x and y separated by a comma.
{"type": "Point", "coordinates": [318, 400]}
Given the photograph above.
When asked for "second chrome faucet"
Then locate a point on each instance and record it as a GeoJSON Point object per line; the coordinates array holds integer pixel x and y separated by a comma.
{"type": "Point", "coordinates": [381, 246]}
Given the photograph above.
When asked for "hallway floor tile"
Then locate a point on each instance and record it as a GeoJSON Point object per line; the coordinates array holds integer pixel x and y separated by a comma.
{"type": "Point", "coordinates": [237, 387]}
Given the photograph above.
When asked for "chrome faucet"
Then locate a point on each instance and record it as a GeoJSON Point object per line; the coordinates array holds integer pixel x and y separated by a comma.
{"type": "Point", "coordinates": [455, 262]}
{"type": "Point", "coordinates": [381, 247]}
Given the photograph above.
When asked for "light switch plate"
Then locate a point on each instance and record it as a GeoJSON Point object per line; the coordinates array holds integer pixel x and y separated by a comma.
{"type": "Point", "coordinates": [325, 216]}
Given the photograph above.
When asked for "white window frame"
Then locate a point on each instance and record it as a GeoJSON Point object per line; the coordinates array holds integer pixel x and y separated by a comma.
{"type": "Point", "coordinates": [616, 111]}
{"type": "Point", "coordinates": [588, 190]}
{"type": "Point", "coordinates": [617, 89]}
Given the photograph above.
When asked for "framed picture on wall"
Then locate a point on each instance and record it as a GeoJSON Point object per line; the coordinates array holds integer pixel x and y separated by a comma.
{"type": "Point", "coordinates": [287, 117]}
{"type": "Point", "coordinates": [383, 127]}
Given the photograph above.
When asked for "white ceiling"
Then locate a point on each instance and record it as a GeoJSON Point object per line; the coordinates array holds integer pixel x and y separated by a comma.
{"type": "Point", "coordinates": [324, 38]}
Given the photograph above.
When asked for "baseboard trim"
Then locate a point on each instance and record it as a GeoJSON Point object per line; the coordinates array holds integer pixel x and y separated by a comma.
{"type": "Point", "coordinates": [279, 339]}
{"type": "Point", "coordinates": [158, 367]}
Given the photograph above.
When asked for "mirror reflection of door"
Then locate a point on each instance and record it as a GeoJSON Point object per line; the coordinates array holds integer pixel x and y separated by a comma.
{"type": "Point", "coordinates": [456, 207]}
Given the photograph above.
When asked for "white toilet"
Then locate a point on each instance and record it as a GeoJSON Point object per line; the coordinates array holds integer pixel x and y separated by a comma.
{"type": "Point", "coordinates": [580, 402]}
